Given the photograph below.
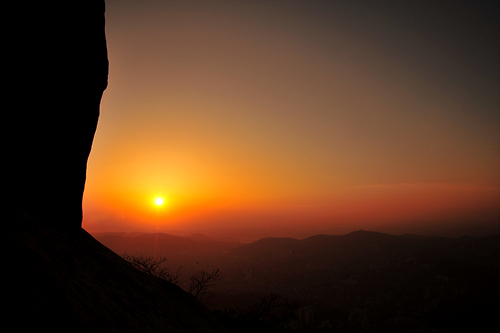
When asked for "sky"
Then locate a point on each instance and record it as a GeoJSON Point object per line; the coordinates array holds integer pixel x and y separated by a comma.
{"type": "Point", "coordinates": [298, 117]}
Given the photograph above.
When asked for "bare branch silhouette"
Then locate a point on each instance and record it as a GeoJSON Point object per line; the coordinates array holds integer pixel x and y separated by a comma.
{"type": "Point", "coordinates": [153, 266]}
{"type": "Point", "coordinates": [201, 283]}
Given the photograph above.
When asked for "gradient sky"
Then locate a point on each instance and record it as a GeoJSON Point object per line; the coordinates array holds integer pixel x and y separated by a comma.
{"type": "Point", "coordinates": [320, 116]}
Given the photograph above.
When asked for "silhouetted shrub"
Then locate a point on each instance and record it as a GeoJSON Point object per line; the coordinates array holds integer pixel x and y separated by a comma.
{"type": "Point", "coordinates": [201, 283]}
{"type": "Point", "coordinates": [153, 266]}
{"type": "Point", "coordinates": [199, 286]}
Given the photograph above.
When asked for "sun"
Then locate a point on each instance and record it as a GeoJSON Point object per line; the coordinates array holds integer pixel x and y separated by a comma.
{"type": "Point", "coordinates": [159, 201]}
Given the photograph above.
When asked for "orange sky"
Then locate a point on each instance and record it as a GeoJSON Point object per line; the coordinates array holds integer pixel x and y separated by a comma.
{"type": "Point", "coordinates": [297, 115]}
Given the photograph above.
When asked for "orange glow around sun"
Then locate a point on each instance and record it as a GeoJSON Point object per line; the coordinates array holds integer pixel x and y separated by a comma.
{"type": "Point", "coordinates": [301, 127]}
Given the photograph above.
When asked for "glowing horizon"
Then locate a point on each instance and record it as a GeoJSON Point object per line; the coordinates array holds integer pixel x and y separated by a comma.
{"type": "Point", "coordinates": [305, 115]}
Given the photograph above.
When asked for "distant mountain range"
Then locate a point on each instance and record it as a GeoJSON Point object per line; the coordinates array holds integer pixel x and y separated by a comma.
{"type": "Point", "coordinates": [360, 244]}
{"type": "Point", "coordinates": [165, 244]}
{"type": "Point", "coordinates": [388, 282]}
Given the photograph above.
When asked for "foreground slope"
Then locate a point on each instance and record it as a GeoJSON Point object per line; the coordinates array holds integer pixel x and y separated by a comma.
{"type": "Point", "coordinates": [74, 283]}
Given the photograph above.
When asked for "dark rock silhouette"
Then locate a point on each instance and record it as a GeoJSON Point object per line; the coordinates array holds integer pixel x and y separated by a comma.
{"type": "Point", "coordinates": [55, 284]}
{"type": "Point", "coordinates": [58, 277]}
{"type": "Point", "coordinates": [56, 71]}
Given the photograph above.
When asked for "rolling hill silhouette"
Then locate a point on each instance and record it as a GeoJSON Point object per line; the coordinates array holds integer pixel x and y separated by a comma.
{"type": "Point", "coordinates": [330, 248]}
{"type": "Point", "coordinates": [402, 283]}
{"type": "Point", "coordinates": [406, 283]}
{"type": "Point", "coordinates": [162, 244]}
{"type": "Point", "coordinates": [57, 283]}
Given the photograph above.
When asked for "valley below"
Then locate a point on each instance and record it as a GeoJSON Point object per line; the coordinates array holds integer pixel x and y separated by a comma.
{"type": "Point", "coordinates": [360, 282]}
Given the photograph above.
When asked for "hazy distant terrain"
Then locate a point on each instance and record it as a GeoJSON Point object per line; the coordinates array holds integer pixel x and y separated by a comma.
{"type": "Point", "coordinates": [358, 281]}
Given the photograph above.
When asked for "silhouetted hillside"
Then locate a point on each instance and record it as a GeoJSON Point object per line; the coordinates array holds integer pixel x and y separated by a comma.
{"type": "Point", "coordinates": [66, 283]}
{"type": "Point", "coordinates": [362, 245]}
{"type": "Point", "coordinates": [266, 247]}
{"type": "Point", "coordinates": [358, 282]}
{"type": "Point", "coordinates": [161, 244]}
{"type": "Point", "coordinates": [374, 281]}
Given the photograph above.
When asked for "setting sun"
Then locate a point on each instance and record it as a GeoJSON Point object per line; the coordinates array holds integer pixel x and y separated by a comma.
{"type": "Point", "coordinates": [293, 118]}
{"type": "Point", "coordinates": [159, 201]}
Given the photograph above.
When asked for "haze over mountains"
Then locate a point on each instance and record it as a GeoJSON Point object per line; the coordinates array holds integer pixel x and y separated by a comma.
{"type": "Point", "coordinates": [362, 280]}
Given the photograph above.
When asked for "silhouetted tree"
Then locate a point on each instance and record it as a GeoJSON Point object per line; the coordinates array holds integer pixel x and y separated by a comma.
{"type": "Point", "coordinates": [153, 266]}
{"type": "Point", "coordinates": [201, 283]}
{"type": "Point", "coordinates": [262, 310]}
{"type": "Point", "coordinates": [199, 286]}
